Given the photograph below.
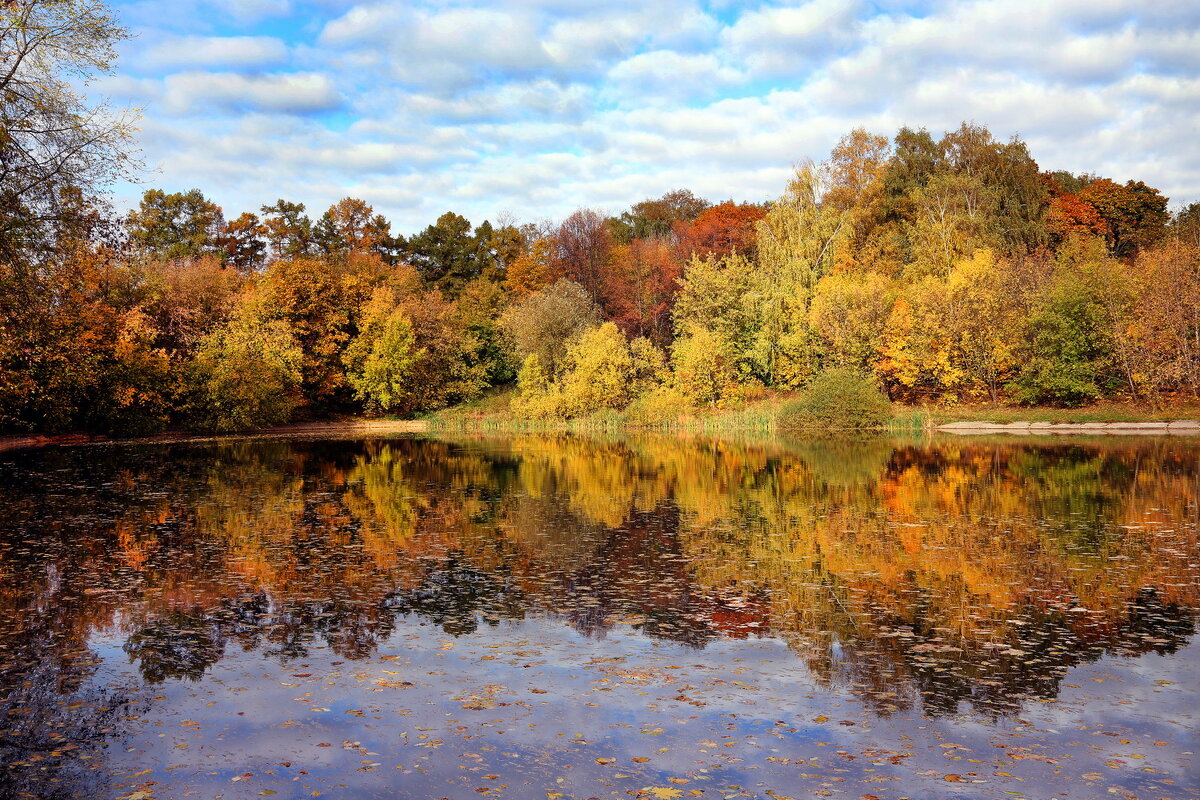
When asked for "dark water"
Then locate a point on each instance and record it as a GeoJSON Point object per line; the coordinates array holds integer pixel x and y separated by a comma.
{"type": "Point", "coordinates": [569, 618]}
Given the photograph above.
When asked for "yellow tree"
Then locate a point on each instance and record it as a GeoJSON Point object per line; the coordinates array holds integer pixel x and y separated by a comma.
{"type": "Point", "coordinates": [849, 313]}
{"type": "Point", "coordinates": [797, 246]}
{"type": "Point", "coordinates": [981, 323]}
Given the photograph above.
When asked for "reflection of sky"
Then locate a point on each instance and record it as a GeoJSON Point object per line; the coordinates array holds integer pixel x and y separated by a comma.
{"type": "Point", "coordinates": [735, 719]}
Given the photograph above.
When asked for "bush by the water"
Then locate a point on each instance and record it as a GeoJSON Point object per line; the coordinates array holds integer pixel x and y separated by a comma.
{"type": "Point", "coordinates": [838, 399]}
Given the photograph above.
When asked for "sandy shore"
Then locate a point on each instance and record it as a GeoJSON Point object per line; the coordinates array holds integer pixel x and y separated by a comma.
{"type": "Point", "coordinates": [1183, 427]}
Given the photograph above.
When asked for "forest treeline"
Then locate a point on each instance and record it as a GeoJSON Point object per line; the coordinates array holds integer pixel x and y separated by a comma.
{"type": "Point", "coordinates": [951, 269]}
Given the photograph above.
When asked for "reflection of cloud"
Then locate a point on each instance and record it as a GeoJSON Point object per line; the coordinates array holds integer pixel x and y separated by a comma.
{"type": "Point", "coordinates": [642, 98]}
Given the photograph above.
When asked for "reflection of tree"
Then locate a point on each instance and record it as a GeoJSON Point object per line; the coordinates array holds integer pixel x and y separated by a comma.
{"type": "Point", "coordinates": [966, 571]}
{"type": "Point", "coordinates": [55, 586]}
{"type": "Point", "coordinates": [455, 596]}
{"type": "Point", "coordinates": [176, 645]}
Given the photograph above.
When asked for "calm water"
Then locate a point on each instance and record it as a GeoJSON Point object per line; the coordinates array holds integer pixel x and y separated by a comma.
{"type": "Point", "coordinates": [556, 617]}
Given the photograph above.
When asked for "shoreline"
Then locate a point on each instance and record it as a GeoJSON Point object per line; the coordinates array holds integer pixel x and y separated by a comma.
{"type": "Point", "coordinates": [1179, 427]}
{"type": "Point", "coordinates": [350, 426]}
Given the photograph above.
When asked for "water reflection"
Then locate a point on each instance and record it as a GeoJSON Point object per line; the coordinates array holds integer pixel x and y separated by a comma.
{"type": "Point", "coordinates": [931, 577]}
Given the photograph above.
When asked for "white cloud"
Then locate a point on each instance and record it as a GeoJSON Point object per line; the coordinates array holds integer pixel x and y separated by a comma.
{"type": "Point", "coordinates": [785, 41]}
{"type": "Point", "coordinates": [215, 52]}
{"type": "Point", "coordinates": [207, 92]}
{"type": "Point", "coordinates": [541, 106]}
{"type": "Point", "coordinates": [664, 76]}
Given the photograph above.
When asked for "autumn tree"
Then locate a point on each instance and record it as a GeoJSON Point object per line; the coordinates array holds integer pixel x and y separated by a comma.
{"type": "Point", "coordinates": [640, 286]}
{"type": "Point", "coordinates": [248, 371]}
{"type": "Point", "coordinates": [597, 372]}
{"type": "Point", "coordinates": [52, 137]}
{"type": "Point", "coordinates": [1185, 225]}
{"type": "Point", "coordinates": [797, 246]}
{"type": "Point", "coordinates": [1166, 332]}
{"type": "Point", "coordinates": [533, 269]}
{"type": "Point", "coordinates": [1136, 214]}
{"type": "Point", "coordinates": [242, 244]}
{"type": "Point", "coordinates": [352, 226]}
{"type": "Point", "coordinates": [717, 297]}
{"type": "Point", "coordinates": [705, 367]}
{"type": "Point", "coordinates": [380, 358]}
{"type": "Point", "coordinates": [186, 299]}
{"type": "Point", "coordinates": [309, 296]}
{"type": "Point", "coordinates": [542, 324]}
{"type": "Point", "coordinates": [287, 230]}
{"type": "Point", "coordinates": [720, 230]}
{"type": "Point", "coordinates": [1069, 215]}
{"type": "Point", "coordinates": [75, 350]}
{"type": "Point", "coordinates": [582, 251]}
{"type": "Point", "coordinates": [600, 370]}
{"type": "Point", "coordinates": [849, 314]}
{"type": "Point", "coordinates": [658, 218]}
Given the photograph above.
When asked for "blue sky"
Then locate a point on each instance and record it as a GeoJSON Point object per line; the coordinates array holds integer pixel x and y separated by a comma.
{"type": "Point", "coordinates": [532, 108]}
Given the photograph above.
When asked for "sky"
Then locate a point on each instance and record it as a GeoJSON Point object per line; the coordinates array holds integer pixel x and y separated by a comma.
{"type": "Point", "coordinates": [525, 110]}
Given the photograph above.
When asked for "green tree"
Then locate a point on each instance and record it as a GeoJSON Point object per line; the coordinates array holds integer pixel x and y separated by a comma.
{"type": "Point", "coordinates": [477, 313]}
{"type": "Point", "coordinates": [838, 399]}
{"type": "Point", "coordinates": [288, 231]}
{"type": "Point", "coordinates": [1067, 358]}
{"type": "Point", "coordinates": [380, 359]}
{"type": "Point", "coordinates": [177, 225]}
{"type": "Point", "coordinates": [450, 255]}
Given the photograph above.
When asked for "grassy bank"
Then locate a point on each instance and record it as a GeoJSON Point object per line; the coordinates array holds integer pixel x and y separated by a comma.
{"type": "Point", "coordinates": [492, 413]}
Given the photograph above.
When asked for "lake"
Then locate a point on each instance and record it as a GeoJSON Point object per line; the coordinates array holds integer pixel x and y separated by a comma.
{"type": "Point", "coordinates": [570, 617]}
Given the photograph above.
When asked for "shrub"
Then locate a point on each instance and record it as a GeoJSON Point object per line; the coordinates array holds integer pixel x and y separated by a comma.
{"type": "Point", "coordinates": [838, 399]}
{"type": "Point", "coordinates": [662, 406]}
